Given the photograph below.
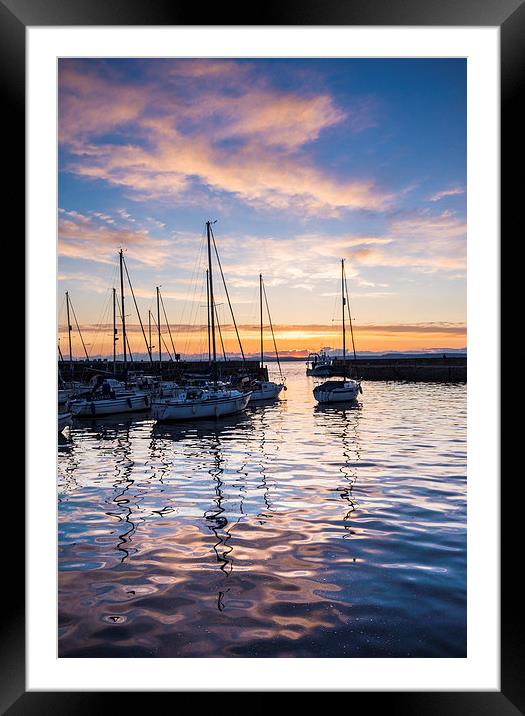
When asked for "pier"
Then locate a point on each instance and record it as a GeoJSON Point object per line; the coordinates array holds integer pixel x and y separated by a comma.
{"type": "Point", "coordinates": [438, 369]}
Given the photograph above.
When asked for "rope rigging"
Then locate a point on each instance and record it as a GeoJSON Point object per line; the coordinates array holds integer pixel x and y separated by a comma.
{"type": "Point", "coordinates": [162, 338]}
{"type": "Point", "coordinates": [227, 295]}
{"type": "Point", "coordinates": [271, 328]}
{"type": "Point", "coordinates": [78, 329]}
{"type": "Point", "coordinates": [138, 312]}
{"type": "Point", "coordinates": [167, 323]}
{"type": "Point", "coordinates": [220, 332]}
{"type": "Point", "coordinates": [127, 339]}
{"type": "Point", "coordinates": [350, 317]}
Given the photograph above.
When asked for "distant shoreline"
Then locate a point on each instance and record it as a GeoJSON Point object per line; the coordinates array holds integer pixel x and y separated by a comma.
{"type": "Point", "coordinates": [293, 359]}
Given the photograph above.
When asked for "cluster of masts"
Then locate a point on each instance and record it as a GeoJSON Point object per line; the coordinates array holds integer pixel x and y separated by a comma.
{"type": "Point", "coordinates": [168, 400]}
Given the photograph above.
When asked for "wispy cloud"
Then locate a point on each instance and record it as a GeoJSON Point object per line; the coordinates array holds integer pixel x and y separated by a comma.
{"type": "Point", "coordinates": [83, 237]}
{"type": "Point", "coordinates": [304, 162]}
{"type": "Point", "coordinates": [245, 139]}
{"type": "Point", "coordinates": [454, 191]}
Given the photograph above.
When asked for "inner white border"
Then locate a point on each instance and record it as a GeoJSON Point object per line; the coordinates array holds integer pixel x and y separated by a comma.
{"type": "Point", "coordinates": [480, 670]}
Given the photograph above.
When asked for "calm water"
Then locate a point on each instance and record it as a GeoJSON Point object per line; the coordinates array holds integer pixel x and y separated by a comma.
{"type": "Point", "coordinates": [289, 530]}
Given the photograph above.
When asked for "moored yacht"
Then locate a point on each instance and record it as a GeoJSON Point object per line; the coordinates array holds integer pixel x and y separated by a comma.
{"type": "Point", "coordinates": [337, 391]}
{"type": "Point", "coordinates": [266, 389]}
{"type": "Point", "coordinates": [110, 397]}
{"type": "Point", "coordinates": [212, 401]}
{"type": "Point", "coordinates": [191, 403]}
{"type": "Point", "coordinates": [347, 389]}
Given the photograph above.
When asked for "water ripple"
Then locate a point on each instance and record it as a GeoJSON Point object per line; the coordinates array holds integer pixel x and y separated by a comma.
{"type": "Point", "coordinates": [289, 531]}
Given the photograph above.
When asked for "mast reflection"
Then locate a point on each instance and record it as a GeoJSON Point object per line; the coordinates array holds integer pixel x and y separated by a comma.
{"type": "Point", "coordinates": [123, 482]}
{"type": "Point", "coordinates": [342, 422]}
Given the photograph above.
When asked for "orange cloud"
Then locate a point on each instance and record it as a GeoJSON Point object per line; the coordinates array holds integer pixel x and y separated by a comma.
{"type": "Point", "coordinates": [177, 144]}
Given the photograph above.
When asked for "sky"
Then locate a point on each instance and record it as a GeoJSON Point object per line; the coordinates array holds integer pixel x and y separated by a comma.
{"type": "Point", "coordinates": [301, 163]}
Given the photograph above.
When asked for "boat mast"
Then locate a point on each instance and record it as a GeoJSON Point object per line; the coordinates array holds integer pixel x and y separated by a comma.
{"type": "Point", "coordinates": [261, 316]}
{"type": "Point", "coordinates": [167, 323]}
{"type": "Point", "coordinates": [158, 329]}
{"type": "Point", "coordinates": [343, 306]}
{"type": "Point", "coordinates": [149, 330]}
{"type": "Point", "coordinates": [271, 329]}
{"type": "Point", "coordinates": [121, 258]}
{"type": "Point", "coordinates": [212, 302]}
{"type": "Point", "coordinates": [227, 296]}
{"type": "Point", "coordinates": [208, 313]}
{"type": "Point", "coordinates": [114, 330]}
{"type": "Point", "coordinates": [350, 322]}
{"type": "Point", "coordinates": [69, 336]}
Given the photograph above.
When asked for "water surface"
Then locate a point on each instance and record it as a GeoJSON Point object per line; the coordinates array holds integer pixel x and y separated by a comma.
{"type": "Point", "coordinates": [288, 531]}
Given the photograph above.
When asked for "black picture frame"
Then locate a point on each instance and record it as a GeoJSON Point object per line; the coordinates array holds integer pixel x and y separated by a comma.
{"type": "Point", "coordinates": [509, 15]}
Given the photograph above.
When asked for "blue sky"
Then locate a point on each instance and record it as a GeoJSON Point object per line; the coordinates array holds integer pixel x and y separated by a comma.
{"type": "Point", "coordinates": [302, 162]}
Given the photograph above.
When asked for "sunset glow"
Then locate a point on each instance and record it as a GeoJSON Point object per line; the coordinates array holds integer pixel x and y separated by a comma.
{"type": "Point", "coordinates": [302, 163]}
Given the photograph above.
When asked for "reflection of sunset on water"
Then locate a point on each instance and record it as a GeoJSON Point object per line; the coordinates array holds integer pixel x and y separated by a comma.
{"type": "Point", "coordinates": [269, 533]}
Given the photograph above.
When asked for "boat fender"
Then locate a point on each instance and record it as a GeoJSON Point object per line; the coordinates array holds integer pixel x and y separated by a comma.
{"type": "Point", "coordinates": [130, 404]}
{"type": "Point", "coordinates": [360, 389]}
{"type": "Point", "coordinates": [93, 409]}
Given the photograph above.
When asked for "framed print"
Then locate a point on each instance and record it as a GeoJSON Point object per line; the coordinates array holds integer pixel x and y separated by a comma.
{"type": "Point", "coordinates": [259, 245]}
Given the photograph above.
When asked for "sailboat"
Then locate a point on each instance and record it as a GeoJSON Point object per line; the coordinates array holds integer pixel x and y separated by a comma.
{"type": "Point", "coordinates": [347, 389]}
{"type": "Point", "coordinates": [68, 389]}
{"type": "Point", "coordinates": [108, 395]}
{"type": "Point", "coordinates": [214, 401]}
{"type": "Point", "coordinates": [266, 389]}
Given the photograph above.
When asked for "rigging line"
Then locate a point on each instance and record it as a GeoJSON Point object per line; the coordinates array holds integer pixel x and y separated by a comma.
{"type": "Point", "coordinates": [227, 294]}
{"type": "Point", "coordinates": [350, 318]}
{"type": "Point", "coordinates": [101, 334]}
{"type": "Point", "coordinates": [167, 323]}
{"type": "Point", "coordinates": [220, 332]}
{"type": "Point", "coordinates": [100, 330]}
{"type": "Point", "coordinates": [137, 309]}
{"type": "Point", "coordinates": [78, 329]}
{"type": "Point", "coordinates": [127, 338]}
{"type": "Point", "coordinates": [161, 337]}
{"type": "Point", "coordinates": [271, 328]}
{"type": "Point", "coordinates": [188, 306]}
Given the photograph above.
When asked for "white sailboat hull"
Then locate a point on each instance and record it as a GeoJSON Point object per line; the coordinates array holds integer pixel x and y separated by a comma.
{"type": "Point", "coordinates": [210, 407]}
{"type": "Point", "coordinates": [125, 403]}
{"type": "Point", "coordinates": [267, 391]}
{"type": "Point", "coordinates": [337, 391]}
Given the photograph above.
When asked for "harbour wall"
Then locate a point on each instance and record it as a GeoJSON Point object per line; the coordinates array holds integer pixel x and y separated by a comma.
{"type": "Point", "coordinates": [445, 369]}
{"type": "Point", "coordinates": [83, 370]}
{"type": "Point", "coordinates": [435, 369]}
